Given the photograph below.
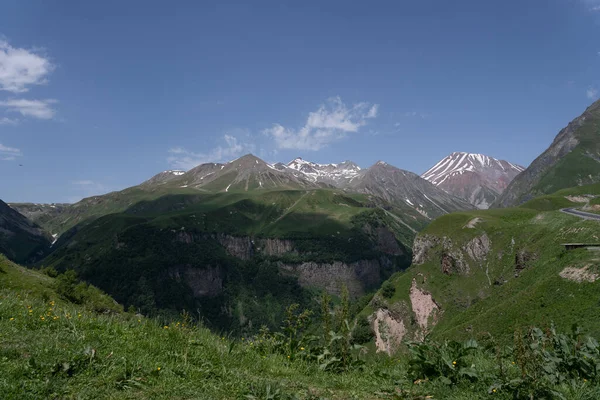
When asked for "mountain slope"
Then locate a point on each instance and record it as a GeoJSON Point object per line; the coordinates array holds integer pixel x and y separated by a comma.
{"type": "Point", "coordinates": [20, 239]}
{"type": "Point", "coordinates": [572, 159]}
{"type": "Point", "coordinates": [476, 178]}
{"type": "Point", "coordinates": [411, 195]}
{"type": "Point", "coordinates": [243, 174]}
{"type": "Point", "coordinates": [397, 186]}
{"type": "Point", "coordinates": [261, 249]}
{"type": "Point", "coordinates": [338, 175]}
{"type": "Point", "coordinates": [498, 270]}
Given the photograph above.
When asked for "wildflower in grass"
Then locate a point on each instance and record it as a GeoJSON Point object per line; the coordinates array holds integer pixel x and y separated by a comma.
{"type": "Point", "coordinates": [30, 311]}
{"type": "Point", "coordinates": [12, 319]}
{"type": "Point", "coordinates": [42, 318]}
{"type": "Point", "coordinates": [453, 362]}
{"type": "Point", "coordinates": [166, 327]}
{"type": "Point", "coordinates": [78, 315]}
{"type": "Point", "coordinates": [158, 368]}
{"type": "Point", "coordinates": [302, 348]}
{"type": "Point", "coordinates": [494, 390]}
{"type": "Point", "coordinates": [139, 320]}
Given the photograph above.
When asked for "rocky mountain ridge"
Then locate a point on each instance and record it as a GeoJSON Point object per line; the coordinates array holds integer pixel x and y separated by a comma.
{"type": "Point", "coordinates": [476, 178]}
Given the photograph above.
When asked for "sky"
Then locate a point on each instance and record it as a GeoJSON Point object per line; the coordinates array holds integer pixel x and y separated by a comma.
{"type": "Point", "coordinates": [100, 96]}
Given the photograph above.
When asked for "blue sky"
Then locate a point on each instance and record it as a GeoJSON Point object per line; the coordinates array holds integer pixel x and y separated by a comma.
{"type": "Point", "coordinates": [99, 96]}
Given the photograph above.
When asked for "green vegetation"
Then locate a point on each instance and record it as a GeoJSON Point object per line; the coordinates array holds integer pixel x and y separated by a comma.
{"type": "Point", "coordinates": [495, 271]}
{"type": "Point", "coordinates": [54, 348]}
{"type": "Point", "coordinates": [203, 252]}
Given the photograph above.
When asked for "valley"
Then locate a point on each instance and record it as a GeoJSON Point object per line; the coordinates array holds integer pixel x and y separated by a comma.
{"type": "Point", "coordinates": [300, 200]}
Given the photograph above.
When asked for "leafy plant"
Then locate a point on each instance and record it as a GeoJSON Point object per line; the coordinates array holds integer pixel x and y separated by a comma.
{"type": "Point", "coordinates": [449, 361]}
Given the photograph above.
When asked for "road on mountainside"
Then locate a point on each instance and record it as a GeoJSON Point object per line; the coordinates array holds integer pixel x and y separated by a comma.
{"type": "Point", "coordinates": [581, 214]}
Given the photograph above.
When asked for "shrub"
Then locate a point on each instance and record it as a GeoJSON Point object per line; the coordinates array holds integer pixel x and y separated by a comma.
{"type": "Point", "coordinates": [388, 290]}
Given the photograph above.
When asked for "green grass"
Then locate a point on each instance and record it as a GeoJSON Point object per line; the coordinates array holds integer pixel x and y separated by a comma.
{"type": "Point", "coordinates": [52, 348]}
{"type": "Point", "coordinates": [492, 296]}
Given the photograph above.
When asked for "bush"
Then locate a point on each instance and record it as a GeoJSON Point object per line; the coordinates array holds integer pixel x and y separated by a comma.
{"type": "Point", "coordinates": [362, 331]}
{"type": "Point", "coordinates": [388, 290]}
{"type": "Point", "coordinates": [49, 271]}
{"type": "Point", "coordinates": [69, 287]}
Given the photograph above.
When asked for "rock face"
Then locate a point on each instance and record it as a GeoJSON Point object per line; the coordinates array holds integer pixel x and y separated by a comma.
{"type": "Point", "coordinates": [477, 178]}
{"type": "Point", "coordinates": [389, 331]}
{"type": "Point", "coordinates": [204, 282]}
{"type": "Point", "coordinates": [424, 308]}
{"type": "Point", "coordinates": [404, 320]}
{"type": "Point", "coordinates": [242, 247]}
{"type": "Point", "coordinates": [572, 159]}
{"type": "Point", "coordinates": [479, 247]}
{"type": "Point", "coordinates": [357, 276]}
{"type": "Point", "coordinates": [421, 248]}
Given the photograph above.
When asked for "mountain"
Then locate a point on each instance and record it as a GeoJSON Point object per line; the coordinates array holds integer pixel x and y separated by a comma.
{"type": "Point", "coordinates": [489, 271]}
{"type": "Point", "coordinates": [397, 186]}
{"type": "Point", "coordinates": [476, 178]}
{"type": "Point", "coordinates": [338, 175]}
{"type": "Point", "coordinates": [573, 159]}
{"type": "Point", "coordinates": [243, 174]}
{"type": "Point", "coordinates": [163, 177]}
{"type": "Point", "coordinates": [20, 239]}
{"type": "Point", "coordinates": [250, 174]}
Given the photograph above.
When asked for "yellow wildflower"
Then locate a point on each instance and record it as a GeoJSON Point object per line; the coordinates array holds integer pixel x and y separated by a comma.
{"type": "Point", "coordinates": [166, 327]}
{"type": "Point", "coordinates": [453, 362]}
{"type": "Point", "coordinates": [12, 319]}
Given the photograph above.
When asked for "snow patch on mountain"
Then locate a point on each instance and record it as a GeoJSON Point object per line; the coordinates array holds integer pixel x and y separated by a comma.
{"type": "Point", "coordinates": [336, 174]}
{"type": "Point", "coordinates": [476, 178]}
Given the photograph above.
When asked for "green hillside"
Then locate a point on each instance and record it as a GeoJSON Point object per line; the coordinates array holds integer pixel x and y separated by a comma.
{"type": "Point", "coordinates": [55, 345]}
{"type": "Point", "coordinates": [573, 159]}
{"type": "Point", "coordinates": [497, 270]}
{"type": "Point", "coordinates": [238, 258]}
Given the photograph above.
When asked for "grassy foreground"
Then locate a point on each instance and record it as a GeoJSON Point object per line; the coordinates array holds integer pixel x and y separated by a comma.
{"type": "Point", "coordinates": [56, 349]}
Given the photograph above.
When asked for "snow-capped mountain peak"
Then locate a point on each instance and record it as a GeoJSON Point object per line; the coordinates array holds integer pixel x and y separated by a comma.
{"type": "Point", "coordinates": [475, 177]}
{"type": "Point", "coordinates": [336, 174]}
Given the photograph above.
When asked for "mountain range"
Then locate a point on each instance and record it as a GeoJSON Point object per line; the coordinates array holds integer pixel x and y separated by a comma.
{"type": "Point", "coordinates": [239, 240]}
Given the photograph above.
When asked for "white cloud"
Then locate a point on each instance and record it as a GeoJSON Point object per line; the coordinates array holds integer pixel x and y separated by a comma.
{"type": "Point", "coordinates": [21, 68]}
{"type": "Point", "coordinates": [182, 158]}
{"type": "Point", "coordinates": [8, 121]}
{"type": "Point", "coordinates": [83, 183]}
{"type": "Point", "coordinates": [9, 153]}
{"type": "Point", "coordinates": [331, 122]}
{"type": "Point", "coordinates": [31, 108]}
{"type": "Point", "coordinates": [591, 93]}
